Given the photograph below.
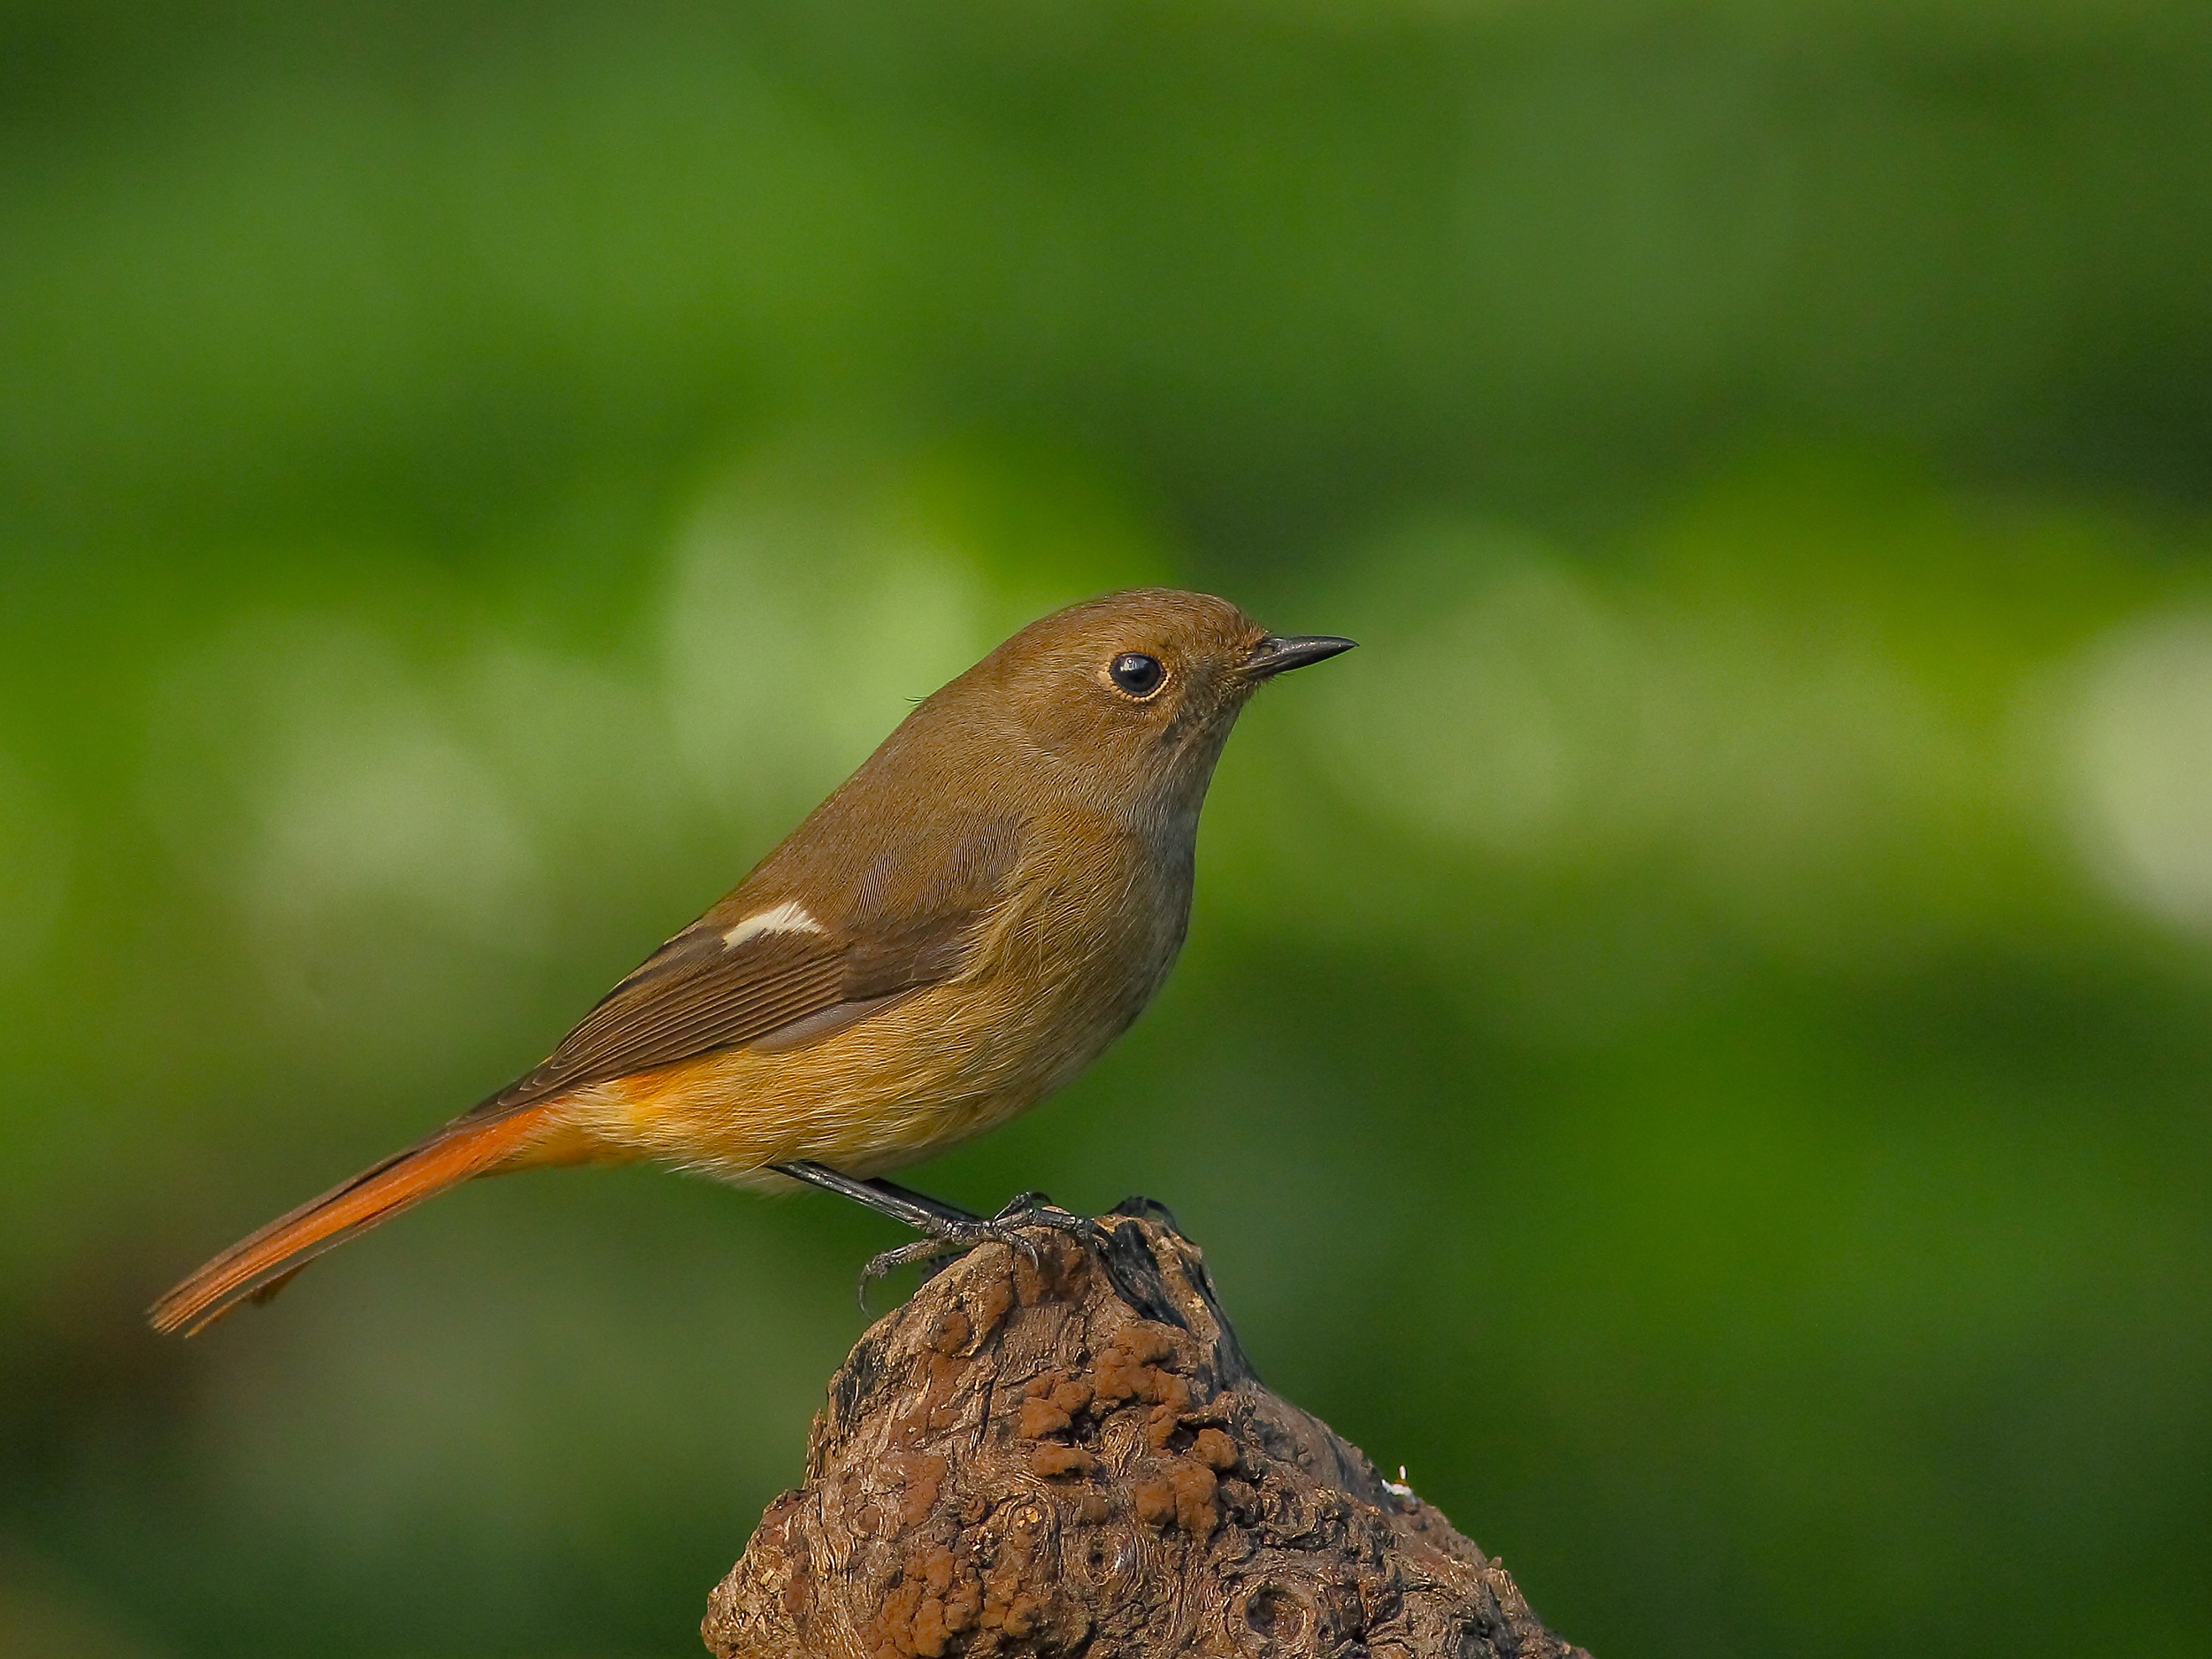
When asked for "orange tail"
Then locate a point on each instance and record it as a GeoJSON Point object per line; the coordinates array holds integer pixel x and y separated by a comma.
{"type": "Point", "coordinates": [257, 1267]}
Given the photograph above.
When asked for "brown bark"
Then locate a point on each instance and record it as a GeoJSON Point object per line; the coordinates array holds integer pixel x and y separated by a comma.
{"type": "Point", "coordinates": [1074, 1457]}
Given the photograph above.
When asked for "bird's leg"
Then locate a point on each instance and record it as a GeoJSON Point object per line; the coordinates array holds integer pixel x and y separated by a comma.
{"type": "Point", "coordinates": [946, 1229]}
{"type": "Point", "coordinates": [900, 1203]}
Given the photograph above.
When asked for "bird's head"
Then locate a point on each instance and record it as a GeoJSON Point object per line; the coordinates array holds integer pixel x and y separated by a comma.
{"type": "Point", "coordinates": [1132, 695]}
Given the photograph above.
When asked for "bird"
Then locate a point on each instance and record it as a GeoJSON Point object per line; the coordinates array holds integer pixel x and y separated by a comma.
{"type": "Point", "coordinates": [961, 927]}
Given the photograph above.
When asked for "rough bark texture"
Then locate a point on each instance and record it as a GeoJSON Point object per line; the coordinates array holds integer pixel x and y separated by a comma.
{"type": "Point", "coordinates": [1074, 1457]}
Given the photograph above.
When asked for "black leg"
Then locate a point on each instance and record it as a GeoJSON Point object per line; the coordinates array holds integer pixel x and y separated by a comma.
{"type": "Point", "coordinates": [886, 1198]}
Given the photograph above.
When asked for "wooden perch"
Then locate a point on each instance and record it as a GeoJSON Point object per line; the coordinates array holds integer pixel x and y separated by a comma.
{"type": "Point", "coordinates": [1074, 1456]}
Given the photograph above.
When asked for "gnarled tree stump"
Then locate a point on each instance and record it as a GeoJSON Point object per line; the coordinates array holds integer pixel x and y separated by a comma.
{"type": "Point", "coordinates": [1074, 1456]}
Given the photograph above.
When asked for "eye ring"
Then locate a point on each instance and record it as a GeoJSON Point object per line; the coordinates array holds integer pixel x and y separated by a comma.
{"type": "Point", "coordinates": [1136, 674]}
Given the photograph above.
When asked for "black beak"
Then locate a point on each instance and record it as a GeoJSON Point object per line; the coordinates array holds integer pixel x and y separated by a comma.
{"type": "Point", "coordinates": [1279, 653]}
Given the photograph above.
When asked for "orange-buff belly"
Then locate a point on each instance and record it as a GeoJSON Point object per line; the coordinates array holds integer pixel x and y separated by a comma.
{"type": "Point", "coordinates": [919, 1077]}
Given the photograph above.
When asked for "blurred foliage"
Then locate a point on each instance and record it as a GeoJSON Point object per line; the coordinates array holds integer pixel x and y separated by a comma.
{"type": "Point", "coordinates": [1695, 1040]}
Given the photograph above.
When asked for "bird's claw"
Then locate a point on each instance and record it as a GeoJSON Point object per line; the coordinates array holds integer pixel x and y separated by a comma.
{"type": "Point", "coordinates": [947, 1238]}
{"type": "Point", "coordinates": [1035, 1209]}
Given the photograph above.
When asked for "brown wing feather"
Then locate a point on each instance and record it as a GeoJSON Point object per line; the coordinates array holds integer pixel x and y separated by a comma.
{"type": "Point", "coordinates": [691, 996]}
{"type": "Point", "coordinates": [697, 993]}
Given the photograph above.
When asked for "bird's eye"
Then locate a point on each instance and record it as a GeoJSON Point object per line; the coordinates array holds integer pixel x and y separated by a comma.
{"type": "Point", "coordinates": [1136, 674]}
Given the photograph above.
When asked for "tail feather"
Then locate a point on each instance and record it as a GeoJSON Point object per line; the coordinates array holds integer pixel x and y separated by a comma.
{"type": "Point", "coordinates": [258, 1267]}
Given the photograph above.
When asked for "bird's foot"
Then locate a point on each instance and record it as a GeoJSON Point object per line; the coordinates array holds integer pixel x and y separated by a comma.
{"type": "Point", "coordinates": [948, 1236]}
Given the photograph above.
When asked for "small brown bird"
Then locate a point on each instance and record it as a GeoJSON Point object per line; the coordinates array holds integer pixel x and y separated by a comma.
{"type": "Point", "coordinates": [964, 924]}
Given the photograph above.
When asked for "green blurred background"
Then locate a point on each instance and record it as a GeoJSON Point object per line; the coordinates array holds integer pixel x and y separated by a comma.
{"type": "Point", "coordinates": [1695, 1040]}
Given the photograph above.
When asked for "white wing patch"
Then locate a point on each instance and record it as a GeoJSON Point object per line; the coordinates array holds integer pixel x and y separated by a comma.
{"type": "Point", "coordinates": [790, 916]}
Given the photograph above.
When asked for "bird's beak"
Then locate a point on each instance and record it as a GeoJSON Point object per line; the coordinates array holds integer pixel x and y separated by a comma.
{"type": "Point", "coordinates": [1279, 653]}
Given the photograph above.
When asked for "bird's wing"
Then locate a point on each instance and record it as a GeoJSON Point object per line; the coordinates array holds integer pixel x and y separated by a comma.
{"type": "Point", "coordinates": [750, 971]}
